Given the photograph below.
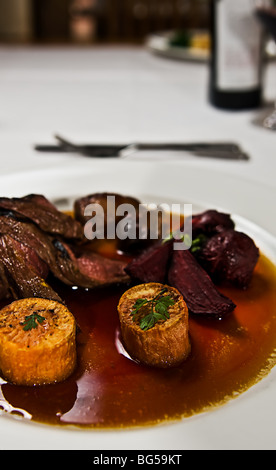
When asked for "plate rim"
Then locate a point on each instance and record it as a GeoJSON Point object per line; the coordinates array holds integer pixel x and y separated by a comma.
{"type": "Point", "coordinates": [105, 437]}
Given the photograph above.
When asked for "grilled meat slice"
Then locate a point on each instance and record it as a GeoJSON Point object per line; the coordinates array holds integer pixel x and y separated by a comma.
{"type": "Point", "coordinates": [101, 199]}
{"type": "Point", "coordinates": [84, 268]}
{"type": "Point", "coordinates": [134, 219]}
{"type": "Point", "coordinates": [39, 210]}
{"type": "Point", "coordinates": [104, 271]}
{"type": "Point", "coordinates": [31, 236]}
{"type": "Point", "coordinates": [72, 265]}
{"type": "Point", "coordinates": [23, 279]}
{"type": "Point", "coordinates": [4, 284]}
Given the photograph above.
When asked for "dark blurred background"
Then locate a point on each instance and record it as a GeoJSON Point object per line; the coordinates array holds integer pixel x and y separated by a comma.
{"type": "Point", "coordinates": [96, 21]}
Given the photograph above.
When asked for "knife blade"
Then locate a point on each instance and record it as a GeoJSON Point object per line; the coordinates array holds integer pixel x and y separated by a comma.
{"type": "Point", "coordinates": [225, 150]}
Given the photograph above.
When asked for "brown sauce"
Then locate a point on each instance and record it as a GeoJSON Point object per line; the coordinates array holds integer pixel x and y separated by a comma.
{"type": "Point", "coordinates": [109, 390]}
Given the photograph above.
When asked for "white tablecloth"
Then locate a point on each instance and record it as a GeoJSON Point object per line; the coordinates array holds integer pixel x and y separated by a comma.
{"type": "Point", "coordinates": [120, 94]}
{"type": "Point", "coordinates": [124, 95]}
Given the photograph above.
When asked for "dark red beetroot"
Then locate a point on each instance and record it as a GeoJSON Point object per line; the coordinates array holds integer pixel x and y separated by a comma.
{"type": "Point", "coordinates": [210, 222]}
{"type": "Point", "coordinates": [230, 257]}
{"type": "Point", "coordinates": [197, 288]}
{"type": "Point", "coordinates": [152, 264]}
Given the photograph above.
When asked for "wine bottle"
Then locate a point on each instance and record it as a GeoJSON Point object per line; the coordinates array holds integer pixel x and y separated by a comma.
{"type": "Point", "coordinates": [236, 56]}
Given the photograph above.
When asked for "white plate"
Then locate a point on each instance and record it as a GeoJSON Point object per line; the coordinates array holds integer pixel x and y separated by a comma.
{"type": "Point", "coordinates": [160, 44]}
{"type": "Point", "coordinates": [248, 421]}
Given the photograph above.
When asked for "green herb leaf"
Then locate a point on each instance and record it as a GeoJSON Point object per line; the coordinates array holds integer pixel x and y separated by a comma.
{"type": "Point", "coordinates": [31, 321]}
{"type": "Point", "coordinates": [195, 244]}
{"type": "Point", "coordinates": [161, 308]}
{"type": "Point", "coordinates": [198, 243]}
{"type": "Point", "coordinates": [138, 304]}
{"type": "Point", "coordinates": [158, 307]}
{"type": "Point", "coordinates": [147, 322]}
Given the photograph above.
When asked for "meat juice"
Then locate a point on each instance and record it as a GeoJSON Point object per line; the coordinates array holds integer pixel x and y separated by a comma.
{"type": "Point", "coordinates": [110, 390]}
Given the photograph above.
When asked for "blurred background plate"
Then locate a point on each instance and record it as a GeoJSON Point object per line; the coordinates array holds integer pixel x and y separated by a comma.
{"type": "Point", "coordinates": [190, 45]}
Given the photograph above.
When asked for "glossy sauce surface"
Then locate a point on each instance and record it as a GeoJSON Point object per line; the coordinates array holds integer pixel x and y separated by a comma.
{"type": "Point", "coordinates": [110, 390]}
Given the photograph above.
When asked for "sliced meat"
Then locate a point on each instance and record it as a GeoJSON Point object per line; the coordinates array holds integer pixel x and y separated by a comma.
{"type": "Point", "coordinates": [66, 267]}
{"type": "Point", "coordinates": [84, 268]}
{"type": "Point", "coordinates": [152, 264]}
{"type": "Point", "coordinates": [198, 290]}
{"type": "Point", "coordinates": [21, 277]}
{"type": "Point", "coordinates": [133, 224]}
{"type": "Point", "coordinates": [164, 345]}
{"type": "Point", "coordinates": [4, 284]}
{"type": "Point", "coordinates": [230, 257]}
{"type": "Point", "coordinates": [32, 259]}
{"type": "Point", "coordinates": [104, 271]}
{"type": "Point", "coordinates": [22, 232]}
{"type": "Point", "coordinates": [32, 237]}
{"type": "Point", "coordinates": [44, 214]}
{"type": "Point", "coordinates": [72, 265]}
{"type": "Point", "coordinates": [37, 342]}
{"type": "Point", "coordinates": [101, 199]}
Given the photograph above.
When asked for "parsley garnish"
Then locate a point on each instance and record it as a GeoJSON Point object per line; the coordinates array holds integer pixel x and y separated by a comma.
{"type": "Point", "coordinates": [198, 243]}
{"type": "Point", "coordinates": [158, 307]}
{"type": "Point", "coordinates": [30, 321]}
{"type": "Point", "coordinates": [195, 244]}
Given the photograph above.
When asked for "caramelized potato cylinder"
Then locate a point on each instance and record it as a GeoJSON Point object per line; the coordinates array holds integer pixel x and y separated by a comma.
{"type": "Point", "coordinates": [37, 342]}
{"type": "Point", "coordinates": [164, 345]}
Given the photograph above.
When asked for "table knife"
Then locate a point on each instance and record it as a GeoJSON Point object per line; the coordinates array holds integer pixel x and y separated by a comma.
{"type": "Point", "coordinates": [224, 150]}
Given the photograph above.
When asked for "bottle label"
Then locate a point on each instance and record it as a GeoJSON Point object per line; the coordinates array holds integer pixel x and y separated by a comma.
{"type": "Point", "coordinates": [238, 45]}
